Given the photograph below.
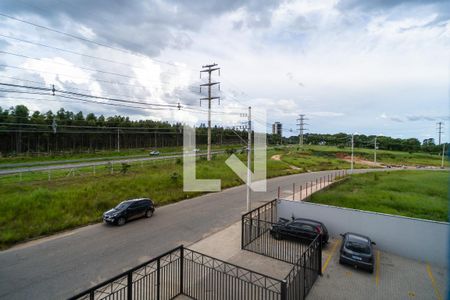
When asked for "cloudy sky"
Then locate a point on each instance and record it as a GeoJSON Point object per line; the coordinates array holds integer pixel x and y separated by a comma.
{"type": "Point", "coordinates": [372, 67]}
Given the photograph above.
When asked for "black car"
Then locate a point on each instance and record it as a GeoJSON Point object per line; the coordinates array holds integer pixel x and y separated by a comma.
{"type": "Point", "coordinates": [128, 210]}
{"type": "Point", "coordinates": [299, 228]}
{"type": "Point", "coordinates": [357, 250]}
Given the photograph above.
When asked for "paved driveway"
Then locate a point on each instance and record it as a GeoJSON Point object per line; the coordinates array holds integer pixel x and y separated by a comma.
{"type": "Point", "coordinates": [394, 277]}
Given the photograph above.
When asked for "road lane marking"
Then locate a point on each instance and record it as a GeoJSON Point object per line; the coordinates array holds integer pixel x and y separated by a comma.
{"type": "Point", "coordinates": [377, 270]}
{"type": "Point", "coordinates": [325, 265]}
{"type": "Point", "coordinates": [433, 283]}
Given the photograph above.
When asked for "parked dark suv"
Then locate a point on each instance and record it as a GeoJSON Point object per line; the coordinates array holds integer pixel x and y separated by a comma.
{"type": "Point", "coordinates": [128, 210]}
{"type": "Point", "coordinates": [299, 228]}
{"type": "Point", "coordinates": [356, 250]}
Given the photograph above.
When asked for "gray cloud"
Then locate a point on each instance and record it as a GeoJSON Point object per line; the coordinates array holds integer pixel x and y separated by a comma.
{"type": "Point", "coordinates": [385, 4]}
{"type": "Point", "coordinates": [440, 7]}
{"type": "Point", "coordinates": [146, 27]}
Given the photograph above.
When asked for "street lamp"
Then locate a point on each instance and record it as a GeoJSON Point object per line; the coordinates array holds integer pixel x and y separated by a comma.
{"type": "Point", "coordinates": [353, 147]}
{"type": "Point", "coordinates": [375, 148]}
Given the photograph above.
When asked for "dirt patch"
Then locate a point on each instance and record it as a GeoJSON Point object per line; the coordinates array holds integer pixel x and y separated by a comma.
{"type": "Point", "coordinates": [357, 160]}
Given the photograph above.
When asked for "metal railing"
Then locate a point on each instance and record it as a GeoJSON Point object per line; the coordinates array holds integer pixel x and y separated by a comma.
{"type": "Point", "coordinates": [305, 271]}
{"type": "Point", "coordinates": [182, 271]}
{"type": "Point", "coordinates": [306, 257]}
{"type": "Point", "coordinates": [159, 278]}
{"type": "Point", "coordinates": [206, 277]}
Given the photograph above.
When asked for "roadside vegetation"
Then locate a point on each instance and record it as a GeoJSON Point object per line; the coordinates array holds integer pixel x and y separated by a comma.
{"type": "Point", "coordinates": [36, 204]}
{"type": "Point", "coordinates": [310, 156]}
{"type": "Point", "coordinates": [417, 194]}
{"type": "Point", "coordinates": [40, 207]}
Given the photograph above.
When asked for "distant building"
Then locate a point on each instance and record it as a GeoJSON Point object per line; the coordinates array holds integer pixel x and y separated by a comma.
{"type": "Point", "coordinates": [277, 128]}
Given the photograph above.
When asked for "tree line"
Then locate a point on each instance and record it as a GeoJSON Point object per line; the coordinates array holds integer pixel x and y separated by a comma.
{"type": "Point", "coordinates": [23, 131]}
{"type": "Point", "coordinates": [368, 141]}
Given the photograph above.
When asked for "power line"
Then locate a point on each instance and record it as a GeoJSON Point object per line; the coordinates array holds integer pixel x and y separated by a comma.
{"type": "Point", "coordinates": [85, 39]}
{"type": "Point", "coordinates": [78, 77]}
{"type": "Point", "coordinates": [54, 90]}
{"type": "Point", "coordinates": [187, 109]}
{"type": "Point", "coordinates": [75, 53]}
{"type": "Point", "coordinates": [79, 89]}
{"type": "Point", "coordinates": [87, 69]}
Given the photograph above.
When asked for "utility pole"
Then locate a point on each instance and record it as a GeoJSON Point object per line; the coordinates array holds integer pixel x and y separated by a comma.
{"type": "Point", "coordinates": [118, 140]}
{"type": "Point", "coordinates": [375, 151]}
{"type": "Point", "coordinates": [249, 157]}
{"type": "Point", "coordinates": [439, 124]}
{"type": "Point", "coordinates": [351, 166]}
{"type": "Point", "coordinates": [209, 69]}
{"type": "Point", "coordinates": [301, 123]}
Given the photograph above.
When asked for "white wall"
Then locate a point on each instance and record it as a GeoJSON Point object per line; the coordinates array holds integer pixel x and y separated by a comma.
{"type": "Point", "coordinates": [408, 237]}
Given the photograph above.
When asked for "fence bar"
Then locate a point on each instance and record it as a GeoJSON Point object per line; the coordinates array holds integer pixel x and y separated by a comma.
{"type": "Point", "coordinates": [293, 191]}
{"type": "Point", "coordinates": [181, 271]}
{"type": "Point", "coordinates": [158, 279]}
{"type": "Point", "coordinates": [320, 255]}
{"type": "Point", "coordinates": [130, 286]}
{"type": "Point", "coordinates": [283, 295]}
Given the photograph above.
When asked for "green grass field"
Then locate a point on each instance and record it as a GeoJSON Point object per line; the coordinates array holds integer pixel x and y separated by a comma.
{"type": "Point", "coordinates": [383, 156]}
{"type": "Point", "coordinates": [418, 194]}
{"type": "Point", "coordinates": [32, 205]}
{"type": "Point", "coordinates": [39, 207]}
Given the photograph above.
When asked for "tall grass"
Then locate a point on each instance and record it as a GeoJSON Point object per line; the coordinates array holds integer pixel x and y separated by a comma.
{"type": "Point", "coordinates": [35, 208]}
{"type": "Point", "coordinates": [418, 194]}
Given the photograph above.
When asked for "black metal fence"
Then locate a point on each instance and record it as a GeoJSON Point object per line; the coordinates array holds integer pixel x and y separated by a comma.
{"type": "Point", "coordinates": [159, 278]}
{"type": "Point", "coordinates": [206, 277]}
{"type": "Point", "coordinates": [305, 271]}
{"type": "Point", "coordinates": [306, 257]}
{"type": "Point", "coordinates": [182, 271]}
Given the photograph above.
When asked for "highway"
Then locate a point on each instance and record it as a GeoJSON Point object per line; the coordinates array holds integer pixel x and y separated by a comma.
{"type": "Point", "coordinates": [65, 264]}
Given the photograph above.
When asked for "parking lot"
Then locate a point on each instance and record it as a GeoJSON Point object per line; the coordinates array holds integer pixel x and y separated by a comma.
{"type": "Point", "coordinates": [394, 277]}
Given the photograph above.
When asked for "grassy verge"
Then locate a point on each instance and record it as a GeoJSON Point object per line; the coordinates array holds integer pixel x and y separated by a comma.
{"type": "Point", "coordinates": [383, 156]}
{"type": "Point", "coordinates": [33, 205]}
{"type": "Point", "coordinates": [41, 207]}
{"type": "Point", "coordinates": [418, 194]}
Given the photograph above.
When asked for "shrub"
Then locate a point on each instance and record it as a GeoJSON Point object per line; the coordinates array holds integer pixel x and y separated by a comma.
{"type": "Point", "coordinates": [174, 176]}
{"type": "Point", "coordinates": [125, 168]}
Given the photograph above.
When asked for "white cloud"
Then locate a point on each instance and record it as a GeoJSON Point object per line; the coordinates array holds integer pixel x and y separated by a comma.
{"type": "Point", "coordinates": [321, 58]}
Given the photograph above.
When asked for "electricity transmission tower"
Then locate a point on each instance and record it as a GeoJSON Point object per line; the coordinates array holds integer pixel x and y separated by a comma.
{"type": "Point", "coordinates": [439, 124]}
{"type": "Point", "coordinates": [209, 69]}
{"type": "Point", "coordinates": [301, 128]}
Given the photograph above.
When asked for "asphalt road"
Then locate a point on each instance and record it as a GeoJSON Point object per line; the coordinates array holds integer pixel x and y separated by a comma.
{"type": "Point", "coordinates": [65, 264]}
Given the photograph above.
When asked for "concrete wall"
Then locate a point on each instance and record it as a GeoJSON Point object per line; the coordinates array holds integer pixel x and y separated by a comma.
{"type": "Point", "coordinates": [408, 237]}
